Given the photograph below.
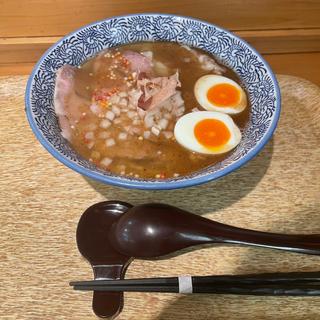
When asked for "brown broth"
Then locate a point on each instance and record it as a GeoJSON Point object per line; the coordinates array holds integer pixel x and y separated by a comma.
{"type": "Point", "coordinates": [157, 157]}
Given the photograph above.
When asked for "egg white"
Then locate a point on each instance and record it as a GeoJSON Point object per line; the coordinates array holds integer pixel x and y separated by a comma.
{"type": "Point", "coordinates": [204, 83]}
{"type": "Point", "coordinates": [184, 132]}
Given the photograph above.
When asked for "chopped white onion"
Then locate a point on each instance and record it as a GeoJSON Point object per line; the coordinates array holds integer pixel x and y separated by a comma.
{"type": "Point", "coordinates": [167, 105]}
{"type": "Point", "coordinates": [163, 123]}
{"type": "Point", "coordinates": [90, 144]}
{"type": "Point", "coordinates": [116, 110]}
{"type": "Point", "coordinates": [180, 111]}
{"type": "Point", "coordinates": [105, 124]}
{"type": "Point", "coordinates": [131, 114]}
{"type": "Point", "coordinates": [177, 100]}
{"type": "Point", "coordinates": [95, 109]}
{"type": "Point", "coordinates": [110, 115]}
{"type": "Point", "coordinates": [149, 121]}
{"type": "Point", "coordinates": [110, 142]}
{"type": "Point", "coordinates": [201, 58]}
{"type": "Point", "coordinates": [123, 94]}
{"type": "Point", "coordinates": [155, 131]}
{"type": "Point", "coordinates": [136, 130]}
{"type": "Point", "coordinates": [122, 136]}
{"type": "Point", "coordinates": [206, 63]}
{"type": "Point", "coordinates": [114, 99]}
{"type": "Point", "coordinates": [146, 134]}
{"type": "Point", "coordinates": [134, 96]}
{"type": "Point", "coordinates": [66, 134]}
{"type": "Point", "coordinates": [106, 162]}
{"type": "Point", "coordinates": [161, 69]}
{"type": "Point", "coordinates": [157, 116]}
{"type": "Point", "coordinates": [89, 135]}
{"type": "Point", "coordinates": [136, 122]}
{"type": "Point", "coordinates": [209, 64]}
{"type": "Point", "coordinates": [167, 134]}
{"type": "Point", "coordinates": [186, 47]}
{"type": "Point", "coordinates": [148, 54]}
{"type": "Point", "coordinates": [123, 102]}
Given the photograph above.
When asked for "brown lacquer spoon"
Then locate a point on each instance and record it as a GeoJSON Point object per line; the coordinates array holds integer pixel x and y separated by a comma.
{"type": "Point", "coordinates": [152, 230]}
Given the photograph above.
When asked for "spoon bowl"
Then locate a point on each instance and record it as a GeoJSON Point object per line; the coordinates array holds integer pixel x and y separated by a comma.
{"type": "Point", "coordinates": [152, 230]}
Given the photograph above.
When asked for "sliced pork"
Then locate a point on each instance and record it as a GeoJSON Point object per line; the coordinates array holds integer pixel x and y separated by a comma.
{"type": "Point", "coordinates": [67, 102]}
{"type": "Point", "coordinates": [207, 62]}
{"type": "Point", "coordinates": [138, 62]}
{"type": "Point", "coordinates": [157, 90]}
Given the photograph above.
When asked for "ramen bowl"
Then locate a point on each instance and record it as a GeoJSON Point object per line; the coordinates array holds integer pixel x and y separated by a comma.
{"type": "Point", "coordinates": [254, 73]}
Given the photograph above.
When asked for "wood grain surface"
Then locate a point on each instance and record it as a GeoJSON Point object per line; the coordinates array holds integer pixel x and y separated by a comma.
{"type": "Point", "coordinates": [42, 200]}
{"type": "Point", "coordinates": [27, 18]}
{"type": "Point", "coordinates": [29, 27]}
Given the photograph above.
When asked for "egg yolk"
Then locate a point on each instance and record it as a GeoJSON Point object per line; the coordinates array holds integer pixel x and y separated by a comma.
{"type": "Point", "coordinates": [223, 95]}
{"type": "Point", "coordinates": [212, 133]}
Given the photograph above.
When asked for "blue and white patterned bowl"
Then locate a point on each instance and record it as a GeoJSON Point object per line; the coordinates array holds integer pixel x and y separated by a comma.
{"type": "Point", "coordinates": [74, 49]}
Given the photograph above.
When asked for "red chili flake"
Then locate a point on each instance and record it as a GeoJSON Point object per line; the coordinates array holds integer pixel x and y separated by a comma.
{"type": "Point", "coordinates": [162, 175]}
{"type": "Point", "coordinates": [125, 62]}
{"type": "Point", "coordinates": [104, 94]}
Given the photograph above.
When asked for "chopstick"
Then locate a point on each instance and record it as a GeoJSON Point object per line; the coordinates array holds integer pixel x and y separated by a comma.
{"type": "Point", "coordinates": [289, 284]}
{"type": "Point", "coordinates": [261, 290]}
{"type": "Point", "coordinates": [247, 278]}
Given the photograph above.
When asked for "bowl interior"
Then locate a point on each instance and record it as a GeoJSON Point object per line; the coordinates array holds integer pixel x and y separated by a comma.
{"type": "Point", "coordinates": [255, 75]}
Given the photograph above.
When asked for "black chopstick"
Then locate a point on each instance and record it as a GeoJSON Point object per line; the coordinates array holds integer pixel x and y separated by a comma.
{"type": "Point", "coordinates": [259, 289]}
{"type": "Point", "coordinates": [128, 282]}
{"type": "Point", "coordinates": [217, 279]}
{"type": "Point", "coordinates": [291, 284]}
{"type": "Point", "coordinates": [133, 288]}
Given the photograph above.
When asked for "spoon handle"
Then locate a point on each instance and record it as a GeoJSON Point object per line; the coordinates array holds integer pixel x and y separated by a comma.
{"type": "Point", "coordinates": [309, 244]}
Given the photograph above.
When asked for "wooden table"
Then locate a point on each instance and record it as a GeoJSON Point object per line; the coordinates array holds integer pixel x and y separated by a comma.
{"type": "Point", "coordinates": [286, 32]}
{"type": "Point", "coordinates": [42, 200]}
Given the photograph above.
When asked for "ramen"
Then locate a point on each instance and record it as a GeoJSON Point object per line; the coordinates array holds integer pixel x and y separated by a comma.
{"type": "Point", "coordinates": [151, 110]}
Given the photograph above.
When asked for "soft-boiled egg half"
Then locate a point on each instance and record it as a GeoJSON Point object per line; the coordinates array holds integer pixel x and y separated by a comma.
{"type": "Point", "coordinates": [218, 93]}
{"type": "Point", "coordinates": [207, 132]}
